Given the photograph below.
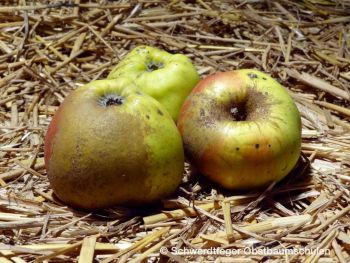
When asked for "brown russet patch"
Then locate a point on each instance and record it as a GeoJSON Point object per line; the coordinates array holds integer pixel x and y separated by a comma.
{"type": "Point", "coordinates": [257, 105]}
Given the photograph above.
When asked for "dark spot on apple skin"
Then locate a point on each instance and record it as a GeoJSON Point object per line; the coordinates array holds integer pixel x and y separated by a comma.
{"type": "Point", "coordinates": [264, 78]}
{"type": "Point", "coordinates": [202, 112]}
{"type": "Point", "coordinates": [138, 93]}
{"type": "Point", "coordinates": [147, 116]}
{"type": "Point", "coordinates": [252, 75]}
{"type": "Point", "coordinates": [257, 146]}
{"type": "Point", "coordinates": [160, 112]}
{"type": "Point", "coordinates": [269, 145]}
{"type": "Point", "coordinates": [237, 148]}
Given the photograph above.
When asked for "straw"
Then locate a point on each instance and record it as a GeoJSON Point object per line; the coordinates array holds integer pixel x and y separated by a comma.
{"type": "Point", "coordinates": [48, 49]}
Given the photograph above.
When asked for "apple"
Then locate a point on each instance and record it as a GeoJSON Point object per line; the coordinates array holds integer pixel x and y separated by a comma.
{"type": "Point", "coordinates": [166, 77]}
{"type": "Point", "coordinates": [241, 129]}
{"type": "Point", "coordinates": [109, 144]}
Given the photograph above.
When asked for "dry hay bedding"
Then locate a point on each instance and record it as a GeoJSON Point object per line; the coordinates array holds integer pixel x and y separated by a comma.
{"type": "Point", "coordinates": [49, 48]}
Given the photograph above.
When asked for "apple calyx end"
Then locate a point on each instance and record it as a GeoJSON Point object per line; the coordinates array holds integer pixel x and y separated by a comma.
{"type": "Point", "coordinates": [110, 100]}
{"type": "Point", "coordinates": [152, 66]}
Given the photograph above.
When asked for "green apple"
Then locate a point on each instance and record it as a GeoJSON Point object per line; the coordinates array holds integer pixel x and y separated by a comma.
{"type": "Point", "coordinates": [166, 77]}
{"type": "Point", "coordinates": [241, 129]}
{"type": "Point", "coordinates": [109, 144]}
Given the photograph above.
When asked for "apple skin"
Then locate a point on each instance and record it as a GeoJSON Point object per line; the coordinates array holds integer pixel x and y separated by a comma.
{"type": "Point", "coordinates": [166, 77]}
{"type": "Point", "coordinates": [241, 129]}
{"type": "Point", "coordinates": [99, 155]}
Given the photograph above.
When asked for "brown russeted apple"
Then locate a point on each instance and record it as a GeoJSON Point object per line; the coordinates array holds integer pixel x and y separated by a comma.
{"type": "Point", "coordinates": [109, 144]}
{"type": "Point", "coordinates": [241, 129]}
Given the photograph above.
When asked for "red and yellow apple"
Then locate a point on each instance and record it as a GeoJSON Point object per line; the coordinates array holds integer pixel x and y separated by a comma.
{"type": "Point", "coordinates": [109, 144]}
{"type": "Point", "coordinates": [241, 129]}
{"type": "Point", "coordinates": [168, 78]}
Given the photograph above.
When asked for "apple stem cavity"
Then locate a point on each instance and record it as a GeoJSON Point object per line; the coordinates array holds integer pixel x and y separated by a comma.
{"type": "Point", "coordinates": [254, 107]}
{"type": "Point", "coordinates": [152, 66]}
{"type": "Point", "coordinates": [111, 99]}
{"type": "Point", "coordinates": [238, 113]}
